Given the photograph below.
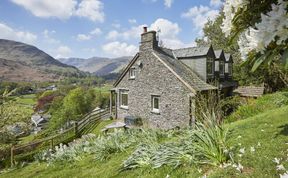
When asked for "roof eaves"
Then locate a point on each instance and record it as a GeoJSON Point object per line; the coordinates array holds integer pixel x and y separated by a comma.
{"type": "Point", "coordinates": [126, 70]}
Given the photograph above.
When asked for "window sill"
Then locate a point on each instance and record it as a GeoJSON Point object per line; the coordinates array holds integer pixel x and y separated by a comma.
{"type": "Point", "coordinates": [124, 107]}
{"type": "Point", "coordinates": [155, 112]}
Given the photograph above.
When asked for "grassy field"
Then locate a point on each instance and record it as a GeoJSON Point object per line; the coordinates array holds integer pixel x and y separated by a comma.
{"type": "Point", "coordinates": [266, 133]}
{"type": "Point", "coordinates": [256, 140]}
{"type": "Point", "coordinates": [103, 89]}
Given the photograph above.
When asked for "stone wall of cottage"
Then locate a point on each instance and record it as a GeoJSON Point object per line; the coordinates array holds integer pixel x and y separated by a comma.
{"type": "Point", "coordinates": [153, 78]}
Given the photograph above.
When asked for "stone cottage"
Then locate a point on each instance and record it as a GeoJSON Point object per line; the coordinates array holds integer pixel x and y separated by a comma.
{"type": "Point", "coordinates": [159, 85]}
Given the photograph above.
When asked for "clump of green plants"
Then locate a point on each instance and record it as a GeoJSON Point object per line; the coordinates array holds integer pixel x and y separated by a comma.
{"type": "Point", "coordinates": [206, 143]}
{"type": "Point", "coordinates": [256, 106]}
{"type": "Point", "coordinates": [102, 147]}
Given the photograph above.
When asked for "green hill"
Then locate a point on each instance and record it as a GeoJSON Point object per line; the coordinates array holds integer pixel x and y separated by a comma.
{"type": "Point", "coordinates": [23, 62]}
{"type": "Point", "coordinates": [261, 138]}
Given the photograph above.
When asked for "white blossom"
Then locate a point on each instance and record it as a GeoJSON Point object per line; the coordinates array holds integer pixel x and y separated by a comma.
{"type": "Point", "coordinates": [277, 160]}
{"type": "Point", "coordinates": [273, 27]}
{"type": "Point", "coordinates": [285, 175]}
{"type": "Point", "coordinates": [280, 168]}
{"type": "Point", "coordinates": [252, 149]}
{"type": "Point", "coordinates": [242, 150]}
{"type": "Point", "coordinates": [230, 9]}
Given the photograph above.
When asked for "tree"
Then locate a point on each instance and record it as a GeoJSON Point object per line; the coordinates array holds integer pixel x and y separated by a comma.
{"type": "Point", "coordinates": [274, 77]}
{"type": "Point", "coordinates": [260, 28]}
{"type": "Point", "coordinates": [73, 106]}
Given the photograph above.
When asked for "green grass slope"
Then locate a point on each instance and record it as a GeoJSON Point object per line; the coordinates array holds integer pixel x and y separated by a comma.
{"type": "Point", "coordinates": [267, 133]}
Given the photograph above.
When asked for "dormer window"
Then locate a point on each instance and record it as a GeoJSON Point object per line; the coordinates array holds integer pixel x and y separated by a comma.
{"type": "Point", "coordinates": [230, 69]}
{"type": "Point", "coordinates": [132, 73]}
{"type": "Point", "coordinates": [221, 68]}
{"type": "Point", "coordinates": [210, 67]}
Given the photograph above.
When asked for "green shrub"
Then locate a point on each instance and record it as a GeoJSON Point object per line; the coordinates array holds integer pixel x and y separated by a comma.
{"type": "Point", "coordinates": [254, 107]}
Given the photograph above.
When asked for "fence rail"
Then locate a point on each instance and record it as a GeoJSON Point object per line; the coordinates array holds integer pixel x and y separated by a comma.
{"type": "Point", "coordinates": [86, 125]}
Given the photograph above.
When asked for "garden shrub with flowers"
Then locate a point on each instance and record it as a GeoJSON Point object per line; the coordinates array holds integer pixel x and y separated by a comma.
{"type": "Point", "coordinates": [261, 28]}
{"type": "Point", "coordinates": [206, 144]}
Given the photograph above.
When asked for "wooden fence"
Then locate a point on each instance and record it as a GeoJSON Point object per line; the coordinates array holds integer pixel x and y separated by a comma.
{"type": "Point", "coordinates": [84, 126]}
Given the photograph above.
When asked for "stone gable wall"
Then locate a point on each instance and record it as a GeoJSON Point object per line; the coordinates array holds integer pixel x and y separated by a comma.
{"type": "Point", "coordinates": [155, 79]}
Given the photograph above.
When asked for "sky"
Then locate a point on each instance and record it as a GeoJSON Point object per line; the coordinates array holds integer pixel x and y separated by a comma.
{"type": "Point", "coordinates": [104, 28]}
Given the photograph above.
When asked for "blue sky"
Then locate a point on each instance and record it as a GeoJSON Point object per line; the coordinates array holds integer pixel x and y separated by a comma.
{"type": "Point", "coordinates": [110, 28]}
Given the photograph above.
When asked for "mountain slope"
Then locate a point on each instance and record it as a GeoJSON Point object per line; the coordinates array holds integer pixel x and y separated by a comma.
{"type": "Point", "coordinates": [28, 58]}
{"type": "Point", "coordinates": [97, 65]}
{"type": "Point", "coordinates": [19, 71]}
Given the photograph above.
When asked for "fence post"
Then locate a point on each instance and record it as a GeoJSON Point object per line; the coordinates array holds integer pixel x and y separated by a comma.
{"type": "Point", "coordinates": [12, 156]}
{"type": "Point", "coordinates": [76, 128]}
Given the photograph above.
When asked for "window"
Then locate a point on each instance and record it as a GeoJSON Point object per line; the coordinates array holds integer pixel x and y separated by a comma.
{"type": "Point", "coordinates": [221, 68]}
{"type": "Point", "coordinates": [230, 69]}
{"type": "Point", "coordinates": [216, 65]}
{"type": "Point", "coordinates": [155, 104]}
{"type": "Point", "coordinates": [209, 67]}
{"type": "Point", "coordinates": [226, 68]}
{"type": "Point", "coordinates": [124, 99]}
{"type": "Point", "coordinates": [132, 73]}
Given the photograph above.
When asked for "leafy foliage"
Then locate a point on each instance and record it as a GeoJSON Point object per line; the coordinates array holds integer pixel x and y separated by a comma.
{"type": "Point", "coordinates": [254, 107]}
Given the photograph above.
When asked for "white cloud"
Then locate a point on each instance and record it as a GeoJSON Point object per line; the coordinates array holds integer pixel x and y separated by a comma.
{"type": "Point", "coordinates": [168, 33]}
{"type": "Point", "coordinates": [132, 21]}
{"type": "Point", "coordinates": [115, 25]}
{"type": "Point", "coordinates": [96, 31]}
{"type": "Point", "coordinates": [117, 48]}
{"type": "Point", "coordinates": [91, 9]}
{"type": "Point", "coordinates": [9, 33]}
{"type": "Point", "coordinates": [168, 3]}
{"type": "Point", "coordinates": [83, 37]}
{"type": "Point", "coordinates": [47, 37]}
{"type": "Point", "coordinates": [215, 3]}
{"type": "Point", "coordinates": [64, 9]}
{"type": "Point", "coordinates": [167, 28]}
{"type": "Point", "coordinates": [113, 35]}
{"type": "Point", "coordinates": [47, 8]}
{"type": "Point", "coordinates": [63, 51]}
{"type": "Point", "coordinates": [200, 15]}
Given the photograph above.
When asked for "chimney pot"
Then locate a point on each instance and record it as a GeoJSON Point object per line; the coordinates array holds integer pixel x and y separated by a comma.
{"type": "Point", "coordinates": [144, 29]}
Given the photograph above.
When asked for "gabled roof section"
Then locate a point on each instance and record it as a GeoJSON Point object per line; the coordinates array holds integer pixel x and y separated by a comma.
{"type": "Point", "coordinates": [191, 52]}
{"type": "Point", "coordinates": [228, 57]}
{"type": "Point", "coordinates": [126, 69]}
{"type": "Point", "coordinates": [218, 53]}
{"type": "Point", "coordinates": [183, 72]}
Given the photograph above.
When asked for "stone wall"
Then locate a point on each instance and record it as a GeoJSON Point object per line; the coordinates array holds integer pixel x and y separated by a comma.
{"type": "Point", "coordinates": [153, 78]}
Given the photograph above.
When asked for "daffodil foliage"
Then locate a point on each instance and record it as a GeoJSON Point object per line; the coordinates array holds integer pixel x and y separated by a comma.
{"type": "Point", "coordinates": [261, 28]}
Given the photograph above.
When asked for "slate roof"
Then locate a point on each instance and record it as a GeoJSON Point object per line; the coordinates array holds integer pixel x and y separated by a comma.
{"type": "Point", "coordinates": [183, 71]}
{"type": "Point", "coordinates": [227, 56]}
{"type": "Point", "coordinates": [249, 91]}
{"type": "Point", "coordinates": [191, 52]}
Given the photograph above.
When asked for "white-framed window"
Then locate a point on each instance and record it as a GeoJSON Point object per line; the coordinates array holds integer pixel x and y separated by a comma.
{"type": "Point", "coordinates": [124, 99]}
{"type": "Point", "coordinates": [132, 73]}
{"type": "Point", "coordinates": [221, 68]}
{"type": "Point", "coordinates": [155, 104]}
{"type": "Point", "coordinates": [216, 65]}
{"type": "Point", "coordinates": [226, 68]}
{"type": "Point", "coordinates": [210, 67]}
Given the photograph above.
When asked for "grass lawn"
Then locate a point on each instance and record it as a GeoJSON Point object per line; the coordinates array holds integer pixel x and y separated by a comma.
{"type": "Point", "coordinates": [103, 89]}
{"type": "Point", "coordinates": [267, 133]}
{"type": "Point", "coordinates": [28, 100]}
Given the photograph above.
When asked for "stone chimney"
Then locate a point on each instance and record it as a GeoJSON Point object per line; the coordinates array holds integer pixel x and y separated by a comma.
{"type": "Point", "coordinates": [148, 40]}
